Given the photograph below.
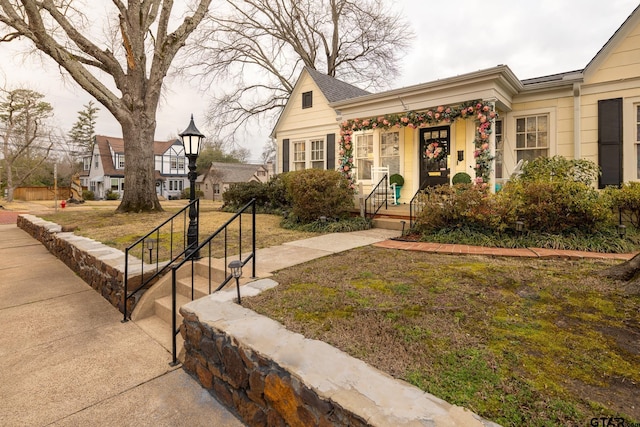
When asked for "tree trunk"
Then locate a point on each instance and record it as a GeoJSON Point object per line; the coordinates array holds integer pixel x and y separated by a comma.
{"type": "Point", "coordinates": [139, 175]}
{"type": "Point", "coordinates": [625, 271]}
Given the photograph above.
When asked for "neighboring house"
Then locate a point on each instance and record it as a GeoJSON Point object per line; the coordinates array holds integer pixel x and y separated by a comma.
{"type": "Point", "coordinates": [220, 176]}
{"type": "Point", "coordinates": [592, 113]}
{"type": "Point", "coordinates": [106, 168]}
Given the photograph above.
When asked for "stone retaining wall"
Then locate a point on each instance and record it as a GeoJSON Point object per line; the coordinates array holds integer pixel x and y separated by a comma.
{"type": "Point", "coordinates": [101, 266]}
{"type": "Point", "coordinates": [274, 377]}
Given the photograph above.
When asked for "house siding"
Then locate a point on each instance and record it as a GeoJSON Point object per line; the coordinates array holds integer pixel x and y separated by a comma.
{"type": "Point", "coordinates": [304, 124]}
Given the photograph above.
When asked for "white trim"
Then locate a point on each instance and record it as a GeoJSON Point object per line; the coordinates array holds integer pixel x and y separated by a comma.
{"type": "Point", "coordinates": [629, 142]}
{"type": "Point", "coordinates": [510, 131]}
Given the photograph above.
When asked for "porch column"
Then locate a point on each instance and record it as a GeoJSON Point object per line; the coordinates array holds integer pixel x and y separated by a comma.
{"type": "Point", "coordinates": [492, 149]}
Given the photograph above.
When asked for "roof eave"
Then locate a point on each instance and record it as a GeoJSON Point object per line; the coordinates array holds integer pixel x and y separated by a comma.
{"type": "Point", "coordinates": [502, 72]}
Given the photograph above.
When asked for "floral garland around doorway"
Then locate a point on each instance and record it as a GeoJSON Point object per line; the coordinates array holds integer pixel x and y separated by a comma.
{"type": "Point", "coordinates": [482, 112]}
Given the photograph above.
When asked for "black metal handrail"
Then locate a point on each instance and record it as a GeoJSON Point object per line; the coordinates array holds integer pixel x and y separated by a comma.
{"type": "Point", "coordinates": [158, 242]}
{"type": "Point", "coordinates": [377, 198]}
{"type": "Point", "coordinates": [206, 248]}
{"type": "Point", "coordinates": [415, 207]}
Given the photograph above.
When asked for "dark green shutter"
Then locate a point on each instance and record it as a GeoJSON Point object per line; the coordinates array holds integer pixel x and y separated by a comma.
{"type": "Point", "coordinates": [610, 141]}
{"type": "Point", "coordinates": [285, 155]}
{"type": "Point", "coordinates": [331, 151]}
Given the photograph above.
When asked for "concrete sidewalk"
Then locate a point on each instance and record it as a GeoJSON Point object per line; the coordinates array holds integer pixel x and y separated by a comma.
{"type": "Point", "coordinates": [67, 359]}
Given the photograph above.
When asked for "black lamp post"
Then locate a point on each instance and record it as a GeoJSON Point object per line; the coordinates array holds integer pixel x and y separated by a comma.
{"type": "Point", "coordinates": [191, 140]}
{"type": "Point", "coordinates": [150, 243]}
{"type": "Point", "coordinates": [236, 271]}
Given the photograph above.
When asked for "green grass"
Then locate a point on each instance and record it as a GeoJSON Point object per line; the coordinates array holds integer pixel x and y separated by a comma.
{"type": "Point", "coordinates": [519, 341]}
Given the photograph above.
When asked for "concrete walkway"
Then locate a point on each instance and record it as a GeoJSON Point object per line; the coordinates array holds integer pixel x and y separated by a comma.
{"type": "Point", "coordinates": [67, 360]}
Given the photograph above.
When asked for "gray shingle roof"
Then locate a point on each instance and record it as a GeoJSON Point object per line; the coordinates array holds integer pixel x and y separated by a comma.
{"type": "Point", "coordinates": [549, 78]}
{"type": "Point", "coordinates": [334, 89]}
{"type": "Point", "coordinates": [235, 172]}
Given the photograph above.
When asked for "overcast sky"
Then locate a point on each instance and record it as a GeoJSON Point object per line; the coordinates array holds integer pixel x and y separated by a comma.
{"type": "Point", "coordinates": [534, 38]}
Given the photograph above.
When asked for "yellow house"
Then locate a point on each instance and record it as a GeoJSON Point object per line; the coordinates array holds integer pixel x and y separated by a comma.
{"type": "Point", "coordinates": [481, 123]}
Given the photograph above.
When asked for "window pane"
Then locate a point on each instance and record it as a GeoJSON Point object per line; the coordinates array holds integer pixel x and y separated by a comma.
{"type": "Point", "coordinates": [638, 160]}
{"type": "Point", "coordinates": [542, 123]}
{"type": "Point", "coordinates": [520, 125]}
{"type": "Point", "coordinates": [638, 133]}
{"type": "Point", "coordinates": [531, 124]}
{"type": "Point", "coordinates": [364, 168]}
{"type": "Point", "coordinates": [520, 140]}
{"type": "Point", "coordinates": [542, 139]}
{"type": "Point", "coordinates": [390, 144]}
{"type": "Point", "coordinates": [531, 140]}
{"type": "Point", "coordinates": [444, 133]}
{"type": "Point", "coordinates": [317, 165]}
{"type": "Point", "coordinates": [392, 162]}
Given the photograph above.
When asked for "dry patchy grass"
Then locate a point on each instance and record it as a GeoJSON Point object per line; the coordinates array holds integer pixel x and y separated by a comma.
{"type": "Point", "coordinates": [99, 221]}
{"type": "Point", "coordinates": [519, 341]}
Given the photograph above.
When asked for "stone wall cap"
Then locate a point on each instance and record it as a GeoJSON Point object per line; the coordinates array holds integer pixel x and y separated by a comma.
{"type": "Point", "coordinates": [331, 373]}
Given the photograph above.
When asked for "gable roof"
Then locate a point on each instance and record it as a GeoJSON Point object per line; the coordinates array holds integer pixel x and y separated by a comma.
{"type": "Point", "coordinates": [107, 144]}
{"type": "Point", "coordinates": [334, 89]}
{"type": "Point", "coordinates": [632, 20]}
{"type": "Point", "coordinates": [235, 172]}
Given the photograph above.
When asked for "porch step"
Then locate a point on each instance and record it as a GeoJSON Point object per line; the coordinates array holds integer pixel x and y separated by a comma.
{"type": "Point", "coordinates": [163, 308]}
{"type": "Point", "coordinates": [389, 223]}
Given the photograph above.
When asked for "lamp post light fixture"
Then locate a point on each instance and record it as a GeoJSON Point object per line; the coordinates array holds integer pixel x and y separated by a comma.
{"type": "Point", "coordinates": [236, 271]}
{"type": "Point", "coordinates": [192, 140]}
{"type": "Point", "coordinates": [622, 230]}
{"type": "Point", "coordinates": [519, 227]}
{"type": "Point", "coordinates": [150, 243]}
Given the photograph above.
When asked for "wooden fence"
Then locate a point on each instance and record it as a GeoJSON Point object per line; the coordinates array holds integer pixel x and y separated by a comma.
{"type": "Point", "coordinates": [41, 193]}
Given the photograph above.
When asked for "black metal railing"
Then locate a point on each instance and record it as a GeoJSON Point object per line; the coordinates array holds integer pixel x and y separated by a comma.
{"type": "Point", "coordinates": [164, 244]}
{"type": "Point", "coordinates": [416, 206]}
{"type": "Point", "coordinates": [210, 249]}
{"type": "Point", "coordinates": [378, 197]}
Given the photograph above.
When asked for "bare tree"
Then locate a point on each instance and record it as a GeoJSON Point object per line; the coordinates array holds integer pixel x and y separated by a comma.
{"type": "Point", "coordinates": [137, 70]}
{"type": "Point", "coordinates": [250, 55]}
{"type": "Point", "coordinates": [26, 141]}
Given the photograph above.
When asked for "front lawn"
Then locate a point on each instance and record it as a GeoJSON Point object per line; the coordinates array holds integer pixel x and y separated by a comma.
{"type": "Point", "coordinates": [519, 341]}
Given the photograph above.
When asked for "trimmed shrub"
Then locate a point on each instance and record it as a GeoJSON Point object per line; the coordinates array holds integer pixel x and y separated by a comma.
{"type": "Point", "coordinates": [554, 207]}
{"type": "Point", "coordinates": [626, 200]}
{"type": "Point", "coordinates": [88, 195]}
{"type": "Point", "coordinates": [185, 194]}
{"type": "Point", "coordinates": [111, 195]}
{"type": "Point", "coordinates": [461, 178]}
{"type": "Point", "coordinates": [396, 179]}
{"type": "Point", "coordinates": [315, 193]}
{"type": "Point", "coordinates": [558, 168]}
{"type": "Point", "coordinates": [461, 205]}
{"type": "Point", "coordinates": [238, 195]}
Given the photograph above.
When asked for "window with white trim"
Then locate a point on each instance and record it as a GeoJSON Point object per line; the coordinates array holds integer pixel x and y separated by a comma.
{"type": "Point", "coordinates": [390, 151]}
{"type": "Point", "coordinates": [176, 162]}
{"type": "Point", "coordinates": [499, 148]}
{"type": "Point", "coordinates": [309, 154]}
{"type": "Point", "coordinates": [121, 161]}
{"type": "Point", "coordinates": [364, 156]}
{"type": "Point", "coordinates": [638, 140]}
{"type": "Point", "coordinates": [317, 153]}
{"type": "Point", "coordinates": [299, 155]}
{"type": "Point", "coordinates": [532, 137]}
